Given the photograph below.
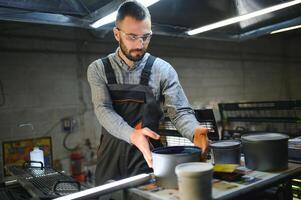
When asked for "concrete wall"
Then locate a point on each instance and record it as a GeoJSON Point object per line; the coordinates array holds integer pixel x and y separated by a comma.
{"type": "Point", "coordinates": [43, 73]}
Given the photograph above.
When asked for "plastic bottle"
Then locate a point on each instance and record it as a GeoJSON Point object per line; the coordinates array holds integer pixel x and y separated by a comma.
{"type": "Point", "coordinates": [37, 155]}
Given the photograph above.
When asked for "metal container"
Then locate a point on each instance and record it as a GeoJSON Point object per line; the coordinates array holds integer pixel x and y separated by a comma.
{"type": "Point", "coordinates": [195, 180]}
{"type": "Point", "coordinates": [265, 151]}
{"type": "Point", "coordinates": [165, 159]}
{"type": "Point", "coordinates": [294, 149]}
{"type": "Point", "coordinates": [226, 152]}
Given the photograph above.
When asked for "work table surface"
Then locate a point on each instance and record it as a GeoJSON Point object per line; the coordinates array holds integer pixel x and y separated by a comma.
{"type": "Point", "coordinates": [252, 181]}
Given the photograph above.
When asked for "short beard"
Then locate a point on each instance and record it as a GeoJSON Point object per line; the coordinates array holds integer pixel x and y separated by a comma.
{"type": "Point", "coordinates": [127, 52]}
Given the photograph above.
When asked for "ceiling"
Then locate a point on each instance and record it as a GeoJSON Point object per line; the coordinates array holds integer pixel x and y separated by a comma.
{"type": "Point", "coordinates": [169, 17]}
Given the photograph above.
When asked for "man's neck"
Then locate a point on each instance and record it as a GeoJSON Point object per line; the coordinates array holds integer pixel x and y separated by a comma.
{"type": "Point", "coordinates": [125, 59]}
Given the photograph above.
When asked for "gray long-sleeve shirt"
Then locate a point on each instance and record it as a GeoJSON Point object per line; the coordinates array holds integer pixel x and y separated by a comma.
{"type": "Point", "coordinates": [163, 82]}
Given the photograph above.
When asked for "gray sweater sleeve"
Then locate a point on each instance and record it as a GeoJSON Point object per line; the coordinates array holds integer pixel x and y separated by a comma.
{"type": "Point", "coordinates": [177, 105]}
{"type": "Point", "coordinates": [102, 102]}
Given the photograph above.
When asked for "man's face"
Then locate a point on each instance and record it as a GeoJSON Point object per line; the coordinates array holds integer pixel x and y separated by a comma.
{"type": "Point", "coordinates": [133, 37]}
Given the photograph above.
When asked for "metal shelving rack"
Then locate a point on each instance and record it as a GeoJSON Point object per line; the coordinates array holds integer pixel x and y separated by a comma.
{"type": "Point", "coordinates": [267, 116]}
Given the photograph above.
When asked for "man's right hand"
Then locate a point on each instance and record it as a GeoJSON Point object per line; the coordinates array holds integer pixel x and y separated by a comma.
{"type": "Point", "coordinates": [139, 138]}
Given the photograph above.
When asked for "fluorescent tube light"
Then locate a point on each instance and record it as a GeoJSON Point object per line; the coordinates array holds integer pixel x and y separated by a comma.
{"type": "Point", "coordinates": [105, 20]}
{"type": "Point", "coordinates": [109, 187]}
{"type": "Point", "coordinates": [111, 17]}
{"type": "Point", "coordinates": [243, 17]}
{"type": "Point", "coordinates": [286, 29]}
{"type": "Point", "coordinates": [147, 3]}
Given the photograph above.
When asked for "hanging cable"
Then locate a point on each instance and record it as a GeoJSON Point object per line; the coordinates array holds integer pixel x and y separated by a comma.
{"type": "Point", "coordinates": [65, 143]}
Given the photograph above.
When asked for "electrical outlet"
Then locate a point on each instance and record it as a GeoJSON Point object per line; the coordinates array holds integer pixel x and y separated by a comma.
{"type": "Point", "coordinates": [67, 124]}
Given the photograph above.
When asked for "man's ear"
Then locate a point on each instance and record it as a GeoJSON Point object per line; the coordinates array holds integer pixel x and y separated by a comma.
{"type": "Point", "coordinates": [116, 34]}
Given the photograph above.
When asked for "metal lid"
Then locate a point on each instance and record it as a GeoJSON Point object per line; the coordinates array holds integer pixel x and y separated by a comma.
{"type": "Point", "coordinates": [226, 144]}
{"type": "Point", "coordinates": [193, 168]}
{"type": "Point", "coordinates": [264, 137]}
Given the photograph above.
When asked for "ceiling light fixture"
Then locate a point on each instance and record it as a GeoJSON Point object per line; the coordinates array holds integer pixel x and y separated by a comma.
{"type": "Point", "coordinates": [111, 17]}
{"type": "Point", "coordinates": [286, 29]}
{"type": "Point", "coordinates": [243, 17]}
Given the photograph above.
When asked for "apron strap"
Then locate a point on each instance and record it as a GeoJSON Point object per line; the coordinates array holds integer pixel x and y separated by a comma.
{"type": "Point", "coordinates": [109, 71]}
{"type": "Point", "coordinates": [146, 72]}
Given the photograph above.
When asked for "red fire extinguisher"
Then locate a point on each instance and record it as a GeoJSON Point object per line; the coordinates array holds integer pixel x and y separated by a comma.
{"type": "Point", "coordinates": [77, 165]}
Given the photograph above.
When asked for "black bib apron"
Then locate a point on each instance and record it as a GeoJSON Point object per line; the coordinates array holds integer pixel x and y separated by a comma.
{"type": "Point", "coordinates": [136, 104]}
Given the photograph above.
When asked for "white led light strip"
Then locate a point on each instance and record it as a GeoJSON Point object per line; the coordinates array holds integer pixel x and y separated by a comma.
{"type": "Point", "coordinates": [111, 17]}
{"type": "Point", "coordinates": [106, 188]}
{"type": "Point", "coordinates": [286, 29]}
{"type": "Point", "coordinates": [243, 17]}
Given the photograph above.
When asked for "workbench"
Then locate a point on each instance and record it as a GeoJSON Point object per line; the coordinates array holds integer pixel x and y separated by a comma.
{"type": "Point", "coordinates": [253, 182]}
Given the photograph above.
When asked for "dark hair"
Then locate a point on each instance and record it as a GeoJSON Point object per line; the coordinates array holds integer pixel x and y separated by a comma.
{"type": "Point", "coordinates": [133, 9]}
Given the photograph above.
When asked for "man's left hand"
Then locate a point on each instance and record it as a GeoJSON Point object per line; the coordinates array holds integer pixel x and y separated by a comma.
{"type": "Point", "coordinates": [200, 139]}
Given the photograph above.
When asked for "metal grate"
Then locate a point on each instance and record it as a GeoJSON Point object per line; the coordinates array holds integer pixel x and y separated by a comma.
{"type": "Point", "coordinates": [46, 182]}
{"type": "Point", "coordinates": [170, 136]}
{"type": "Point", "coordinates": [175, 141]}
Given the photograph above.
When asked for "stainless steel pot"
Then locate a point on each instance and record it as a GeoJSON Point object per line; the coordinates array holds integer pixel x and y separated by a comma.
{"type": "Point", "coordinates": [265, 151]}
{"type": "Point", "coordinates": [165, 159]}
{"type": "Point", "coordinates": [226, 152]}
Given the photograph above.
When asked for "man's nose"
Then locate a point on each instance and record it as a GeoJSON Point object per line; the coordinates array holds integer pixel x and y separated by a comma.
{"type": "Point", "coordinates": [139, 43]}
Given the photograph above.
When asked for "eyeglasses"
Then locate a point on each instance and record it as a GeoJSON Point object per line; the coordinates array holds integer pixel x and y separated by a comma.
{"type": "Point", "coordinates": [132, 37]}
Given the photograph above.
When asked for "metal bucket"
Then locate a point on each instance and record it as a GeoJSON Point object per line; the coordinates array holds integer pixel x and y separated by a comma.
{"type": "Point", "coordinates": [165, 159]}
{"type": "Point", "coordinates": [265, 151]}
{"type": "Point", "coordinates": [226, 152]}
